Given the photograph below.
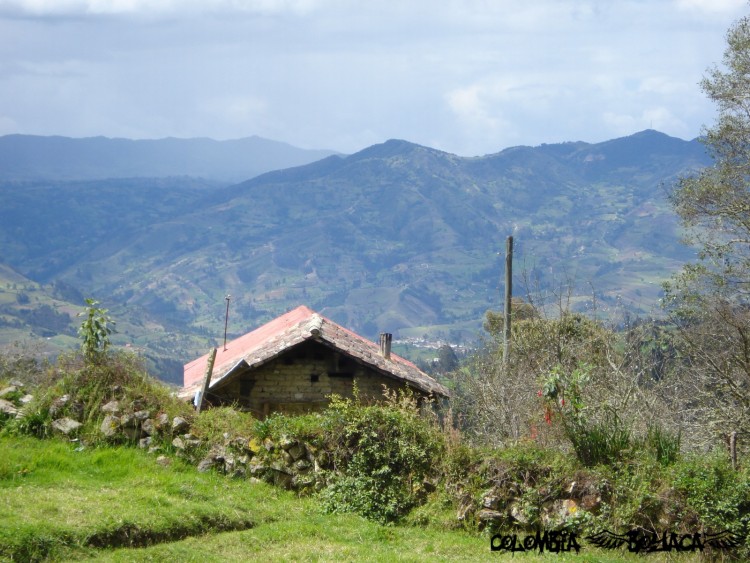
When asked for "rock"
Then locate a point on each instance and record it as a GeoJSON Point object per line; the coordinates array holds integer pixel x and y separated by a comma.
{"type": "Point", "coordinates": [144, 443]}
{"type": "Point", "coordinates": [206, 464]}
{"type": "Point", "coordinates": [26, 399]}
{"type": "Point", "coordinates": [7, 391]}
{"type": "Point", "coordinates": [558, 511]}
{"type": "Point", "coordinates": [465, 508]}
{"type": "Point", "coordinates": [154, 449]}
{"type": "Point", "coordinates": [280, 468]}
{"type": "Point", "coordinates": [191, 441]}
{"type": "Point", "coordinates": [113, 407]}
{"type": "Point", "coordinates": [180, 425]}
{"type": "Point", "coordinates": [110, 425]}
{"type": "Point", "coordinates": [491, 502]}
{"type": "Point", "coordinates": [268, 444]}
{"type": "Point", "coordinates": [302, 465]}
{"type": "Point", "coordinates": [8, 408]}
{"type": "Point", "coordinates": [66, 426]}
{"type": "Point", "coordinates": [17, 383]}
{"type": "Point", "coordinates": [142, 415]}
{"type": "Point", "coordinates": [517, 514]}
{"type": "Point", "coordinates": [127, 420]}
{"type": "Point", "coordinates": [302, 481]}
{"type": "Point", "coordinates": [281, 479]}
{"type": "Point", "coordinates": [239, 443]}
{"type": "Point", "coordinates": [162, 420]}
{"type": "Point", "coordinates": [286, 443]}
{"type": "Point", "coordinates": [164, 461]}
{"type": "Point", "coordinates": [217, 453]}
{"type": "Point", "coordinates": [230, 464]}
{"type": "Point", "coordinates": [297, 451]}
{"type": "Point", "coordinates": [288, 459]}
{"type": "Point", "coordinates": [58, 405]}
{"type": "Point", "coordinates": [257, 469]}
{"type": "Point", "coordinates": [487, 516]}
{"type": "Point", "coordinates": [149, 427]}
{"type": "Point", "coordinates": [179, 444]}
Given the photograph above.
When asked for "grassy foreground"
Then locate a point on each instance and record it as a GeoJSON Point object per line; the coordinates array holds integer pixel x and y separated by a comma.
{"type": "Point", "coordinates": [59, 502]}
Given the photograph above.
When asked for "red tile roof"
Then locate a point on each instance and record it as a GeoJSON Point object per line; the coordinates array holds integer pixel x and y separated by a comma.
{"type": "Point", "coordinates": [272, 339]}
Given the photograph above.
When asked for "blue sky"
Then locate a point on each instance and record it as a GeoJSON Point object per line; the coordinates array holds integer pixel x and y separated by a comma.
{"type": "Point", "coordinates": [470, 77]}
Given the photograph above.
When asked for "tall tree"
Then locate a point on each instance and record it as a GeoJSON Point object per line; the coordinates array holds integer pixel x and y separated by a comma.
{"type": "Point", "coordinates": [710, 298]}
{"type": "Point", "coordinates": [715, 203]}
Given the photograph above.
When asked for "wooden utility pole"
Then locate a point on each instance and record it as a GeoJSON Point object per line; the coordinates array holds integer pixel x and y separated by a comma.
{"type": "Point", "coordinates": [206, 379]}
{"type": "Point", "coordinates": [226, 321]}
{"type": "Point", "coordinates": [508, 297]}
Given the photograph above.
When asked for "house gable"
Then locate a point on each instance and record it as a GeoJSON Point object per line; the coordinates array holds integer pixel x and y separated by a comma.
{"type": "Point", "coordinates": [302, 379]}
{"type": "Point", "coordinates": [301, 358]}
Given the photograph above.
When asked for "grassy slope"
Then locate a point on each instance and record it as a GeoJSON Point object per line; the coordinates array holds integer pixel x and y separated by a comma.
{"type": "Point", "coordinates": [61, 504]}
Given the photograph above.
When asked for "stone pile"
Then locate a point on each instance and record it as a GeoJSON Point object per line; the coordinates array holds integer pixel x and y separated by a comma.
{"type": "Point", "coordinates": [287, 463]}
{"type": "Point", "coordinates": [498, 507]}
{"type": "Point", "coordinates": [133, 422]}
{"type": "Point", "coordinates": [13, 398]}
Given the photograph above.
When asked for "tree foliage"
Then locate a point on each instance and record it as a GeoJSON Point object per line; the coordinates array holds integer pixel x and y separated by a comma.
{"type": "Point", "coordinates": [708, 300]}
{"type": "Point", "coordinates": [95, 330]}
{"type": "Point", "coordinates": [715, 202]}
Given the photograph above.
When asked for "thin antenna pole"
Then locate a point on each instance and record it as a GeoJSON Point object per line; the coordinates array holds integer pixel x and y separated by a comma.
{"type": "Point", "coordinates": [508, 297]}
{"type": "Point", "coordinates": [226, 321]}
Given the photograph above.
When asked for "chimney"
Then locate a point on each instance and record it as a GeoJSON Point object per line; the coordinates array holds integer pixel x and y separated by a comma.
{"type": "Point", "coordinates": [385, 344]}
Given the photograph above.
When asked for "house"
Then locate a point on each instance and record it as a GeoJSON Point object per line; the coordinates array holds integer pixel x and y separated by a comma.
{"type": "Point", "coordinates": [293, 363]}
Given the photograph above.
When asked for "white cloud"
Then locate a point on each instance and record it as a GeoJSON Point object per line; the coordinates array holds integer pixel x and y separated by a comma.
{"type": "Point", "coordinates": [718, 7]}
{"type": "Point", "coordinates": [156, 7]}
{"type": "Point", "coordinates": [7, 125]}
{"type": "Point", "coordinates": [467, 76]}
{"type": "Point", "coordinates": [659, 118]}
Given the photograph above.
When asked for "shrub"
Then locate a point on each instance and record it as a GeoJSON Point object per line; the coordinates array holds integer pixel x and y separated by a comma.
{"type": "Point", "coordinates": [718, 495]}
{"type": "Point", "coordinates": [384, 454]}
{"type": "Point", "coordinates": [212, 425]}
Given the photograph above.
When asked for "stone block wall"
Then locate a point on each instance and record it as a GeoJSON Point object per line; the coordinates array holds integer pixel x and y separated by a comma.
{"type": "Point", "coordinates": [301, 381]}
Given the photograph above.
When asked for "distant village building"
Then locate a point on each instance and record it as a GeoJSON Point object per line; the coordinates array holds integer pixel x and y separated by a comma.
{"type": "Point", "coordinates": [293, 363]}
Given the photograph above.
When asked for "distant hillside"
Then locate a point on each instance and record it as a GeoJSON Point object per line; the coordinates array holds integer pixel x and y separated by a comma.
{"type": "Point", "coordinates": [397, 237]}
{"type": "Point", "coordinates": [29, 157]}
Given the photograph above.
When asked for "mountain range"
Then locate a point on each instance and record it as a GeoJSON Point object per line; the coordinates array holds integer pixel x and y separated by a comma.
{"type": "Point", "coordinates": [397, 237]}
{"type": "Point", "coordinates": [30, 157]}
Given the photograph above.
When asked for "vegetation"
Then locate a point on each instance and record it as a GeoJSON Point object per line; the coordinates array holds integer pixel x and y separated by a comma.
{"type": "Point", "coordinates": [583, 427]}
{"type": "Point", "coordinates": [708, 300]}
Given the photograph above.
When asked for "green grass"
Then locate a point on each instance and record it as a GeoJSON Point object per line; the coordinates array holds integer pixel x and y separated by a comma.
{"type": "Point", "coordinates": [118, 504]}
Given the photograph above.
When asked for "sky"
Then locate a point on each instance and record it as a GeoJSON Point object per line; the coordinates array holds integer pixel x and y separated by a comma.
{"type": "Point", "coordinates": [470, 77]}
